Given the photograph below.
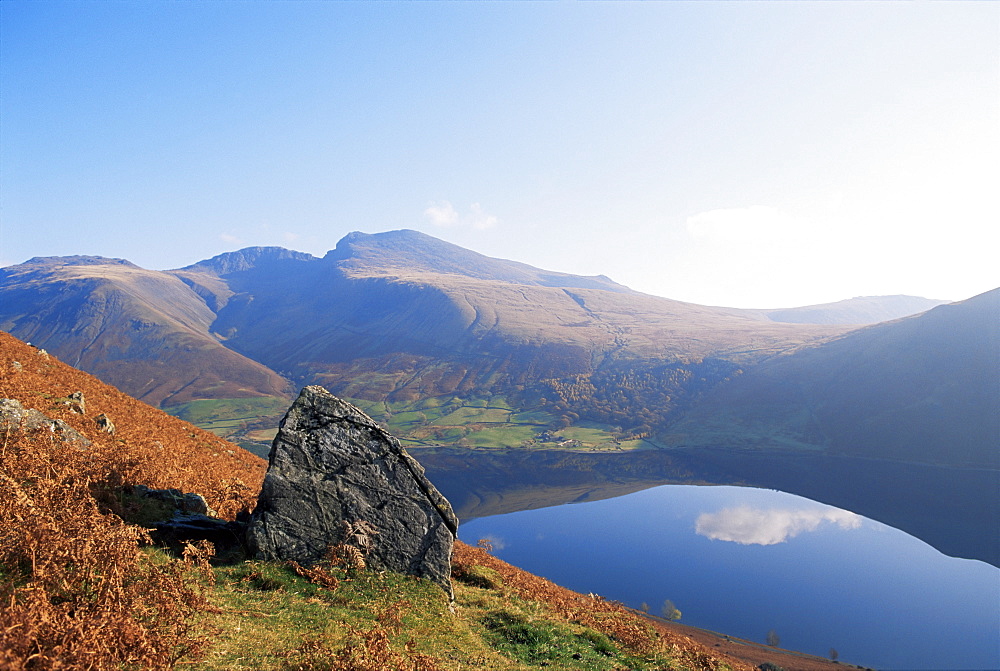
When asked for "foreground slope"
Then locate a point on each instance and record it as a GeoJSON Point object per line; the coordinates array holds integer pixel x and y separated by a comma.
{"type": "Point", "coordinates": [924, 388]}
{"type": "Point", "coordinates": [79, 593]}
{"type": "Point", "coordinates": [76, 590]}
{"type": "Point", "coordinates": [155, 449]}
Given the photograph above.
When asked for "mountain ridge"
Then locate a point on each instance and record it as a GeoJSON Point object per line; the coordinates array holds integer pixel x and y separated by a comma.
{"type": "Point", "coordinates": [401, 318]}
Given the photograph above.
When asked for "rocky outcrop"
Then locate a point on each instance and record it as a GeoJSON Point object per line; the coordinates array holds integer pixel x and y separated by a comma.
{"type": "Point", "coordinates": [14, 415]}
{"type": "Point", "coordinates": [186, 518]}
{"type": "Point", "coordinates": [182, 503]}
{"type": "Point", "coordinates": [337, 478]}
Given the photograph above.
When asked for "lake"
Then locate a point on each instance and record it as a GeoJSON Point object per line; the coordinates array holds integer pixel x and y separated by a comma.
{"type": "Point", "coordinates": [745, 561]}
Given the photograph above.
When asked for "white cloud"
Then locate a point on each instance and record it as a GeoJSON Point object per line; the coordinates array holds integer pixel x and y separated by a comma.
{"type": "Point", "coordinates": [480, 220]}
{"type": "Point", "coordinates": [444, 214]}
{"type": "Point", "coordinates": [290, 237]}
{"type": "Point", "coordinates": [230, 239]}
{"type": "Point", "coordinates": [752, 526]}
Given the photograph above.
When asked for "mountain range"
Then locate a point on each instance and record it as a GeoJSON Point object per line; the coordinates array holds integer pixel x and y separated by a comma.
{"type": "Point", "coordinates": [423, 328]}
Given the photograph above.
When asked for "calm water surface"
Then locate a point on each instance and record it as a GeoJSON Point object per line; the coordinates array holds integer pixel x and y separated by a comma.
{"type": "Point", "coordinates": [746, 561]}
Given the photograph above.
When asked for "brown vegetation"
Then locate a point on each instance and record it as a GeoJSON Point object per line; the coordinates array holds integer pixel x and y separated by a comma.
{"type": "Point", "coordinates": [77, 590]}
{"type": "Point", "coordinates": [754, 653]}
{"type": "Point", "coordinates": [148, 446]}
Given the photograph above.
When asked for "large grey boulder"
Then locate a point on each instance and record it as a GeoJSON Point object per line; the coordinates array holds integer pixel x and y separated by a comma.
{"type": "Point", "coordinates": [336, 477]}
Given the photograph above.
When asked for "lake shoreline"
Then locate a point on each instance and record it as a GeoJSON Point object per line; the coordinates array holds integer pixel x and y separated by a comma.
{"type": "Point", "coordinates": [750, 651]}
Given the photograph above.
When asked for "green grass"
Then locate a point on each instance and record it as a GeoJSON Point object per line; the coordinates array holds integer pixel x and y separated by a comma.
{"type": "Point", "coordinates": [268, 618]}
{"type": "Point", "coordinates": [224, 416]}
{"type": "Point", "coordinates": [469, 414]}
{"type": "Point", "coordinates": [267, 612]}
{"type": "Point", "coordinates": [538, 641]}
{"type": "Point", "coordinates": [501, 436]}
{"type": "Point", "coordinates": [590, 436]}
{"type": "Point", "coordinates": [532, 417]}
{"type": "Point", "coordinates": [482, 423]}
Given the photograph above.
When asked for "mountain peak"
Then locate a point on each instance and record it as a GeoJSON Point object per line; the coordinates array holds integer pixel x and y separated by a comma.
{"type": "Point", "coordinates": [78, 260]}
{"type": "Point", "coordinates": [402, 245]}
{"type": "Point", "coordinates": [407, 252]}
{"type": "Point", "coordinates": [248, 258]}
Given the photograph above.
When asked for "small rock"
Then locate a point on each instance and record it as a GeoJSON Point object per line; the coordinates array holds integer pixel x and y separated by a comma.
{"type": "Point", "coordinates": [184, 529]}
{"type": "Point", "coordinates": [105, 424]}
{"type": "Point", "coordinates": [77, 403]}
{"type": "Point", "coordinates": [185, 503]}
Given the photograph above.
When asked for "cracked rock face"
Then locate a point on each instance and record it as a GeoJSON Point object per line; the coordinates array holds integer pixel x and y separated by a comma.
{"type": "Point", "coordinates": [334, 471]}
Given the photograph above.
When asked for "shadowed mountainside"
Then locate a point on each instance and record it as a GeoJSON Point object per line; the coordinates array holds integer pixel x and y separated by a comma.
{"type": "Point", "coordinates": [923, 388]}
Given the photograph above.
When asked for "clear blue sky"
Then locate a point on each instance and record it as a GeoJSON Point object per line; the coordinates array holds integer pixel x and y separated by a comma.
{"type": "Point", "coordinates": [750, 154]}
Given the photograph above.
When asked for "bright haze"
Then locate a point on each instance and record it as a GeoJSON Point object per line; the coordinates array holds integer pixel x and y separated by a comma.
{"type": "Point", "coordinates": [757, 155]}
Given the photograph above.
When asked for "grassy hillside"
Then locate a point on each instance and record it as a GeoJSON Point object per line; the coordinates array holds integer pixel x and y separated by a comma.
{"type": "Point", "coordinates": [503, 619]}
{"type": "Point", "coordinates": [80, 588]}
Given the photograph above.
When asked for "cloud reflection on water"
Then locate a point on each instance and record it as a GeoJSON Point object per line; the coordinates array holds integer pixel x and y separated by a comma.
{"type": "Point", "coordinates": [757, 526]}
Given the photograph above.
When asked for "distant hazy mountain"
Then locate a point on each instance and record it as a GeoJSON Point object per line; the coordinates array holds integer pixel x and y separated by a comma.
{"type": "Point", "coordinates": [143, 331]}
{"type": "Point", "coordinates": [859, 310]}
{"type": "Point", "coordinates": [923, 388]}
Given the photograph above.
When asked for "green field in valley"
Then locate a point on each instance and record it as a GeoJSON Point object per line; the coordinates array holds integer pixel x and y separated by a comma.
{"type": "Point", "coordinates": [478, 423]}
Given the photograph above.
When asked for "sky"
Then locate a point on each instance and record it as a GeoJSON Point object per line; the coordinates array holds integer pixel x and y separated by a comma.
{"type": "Point", "coordinates": [746, 154]}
